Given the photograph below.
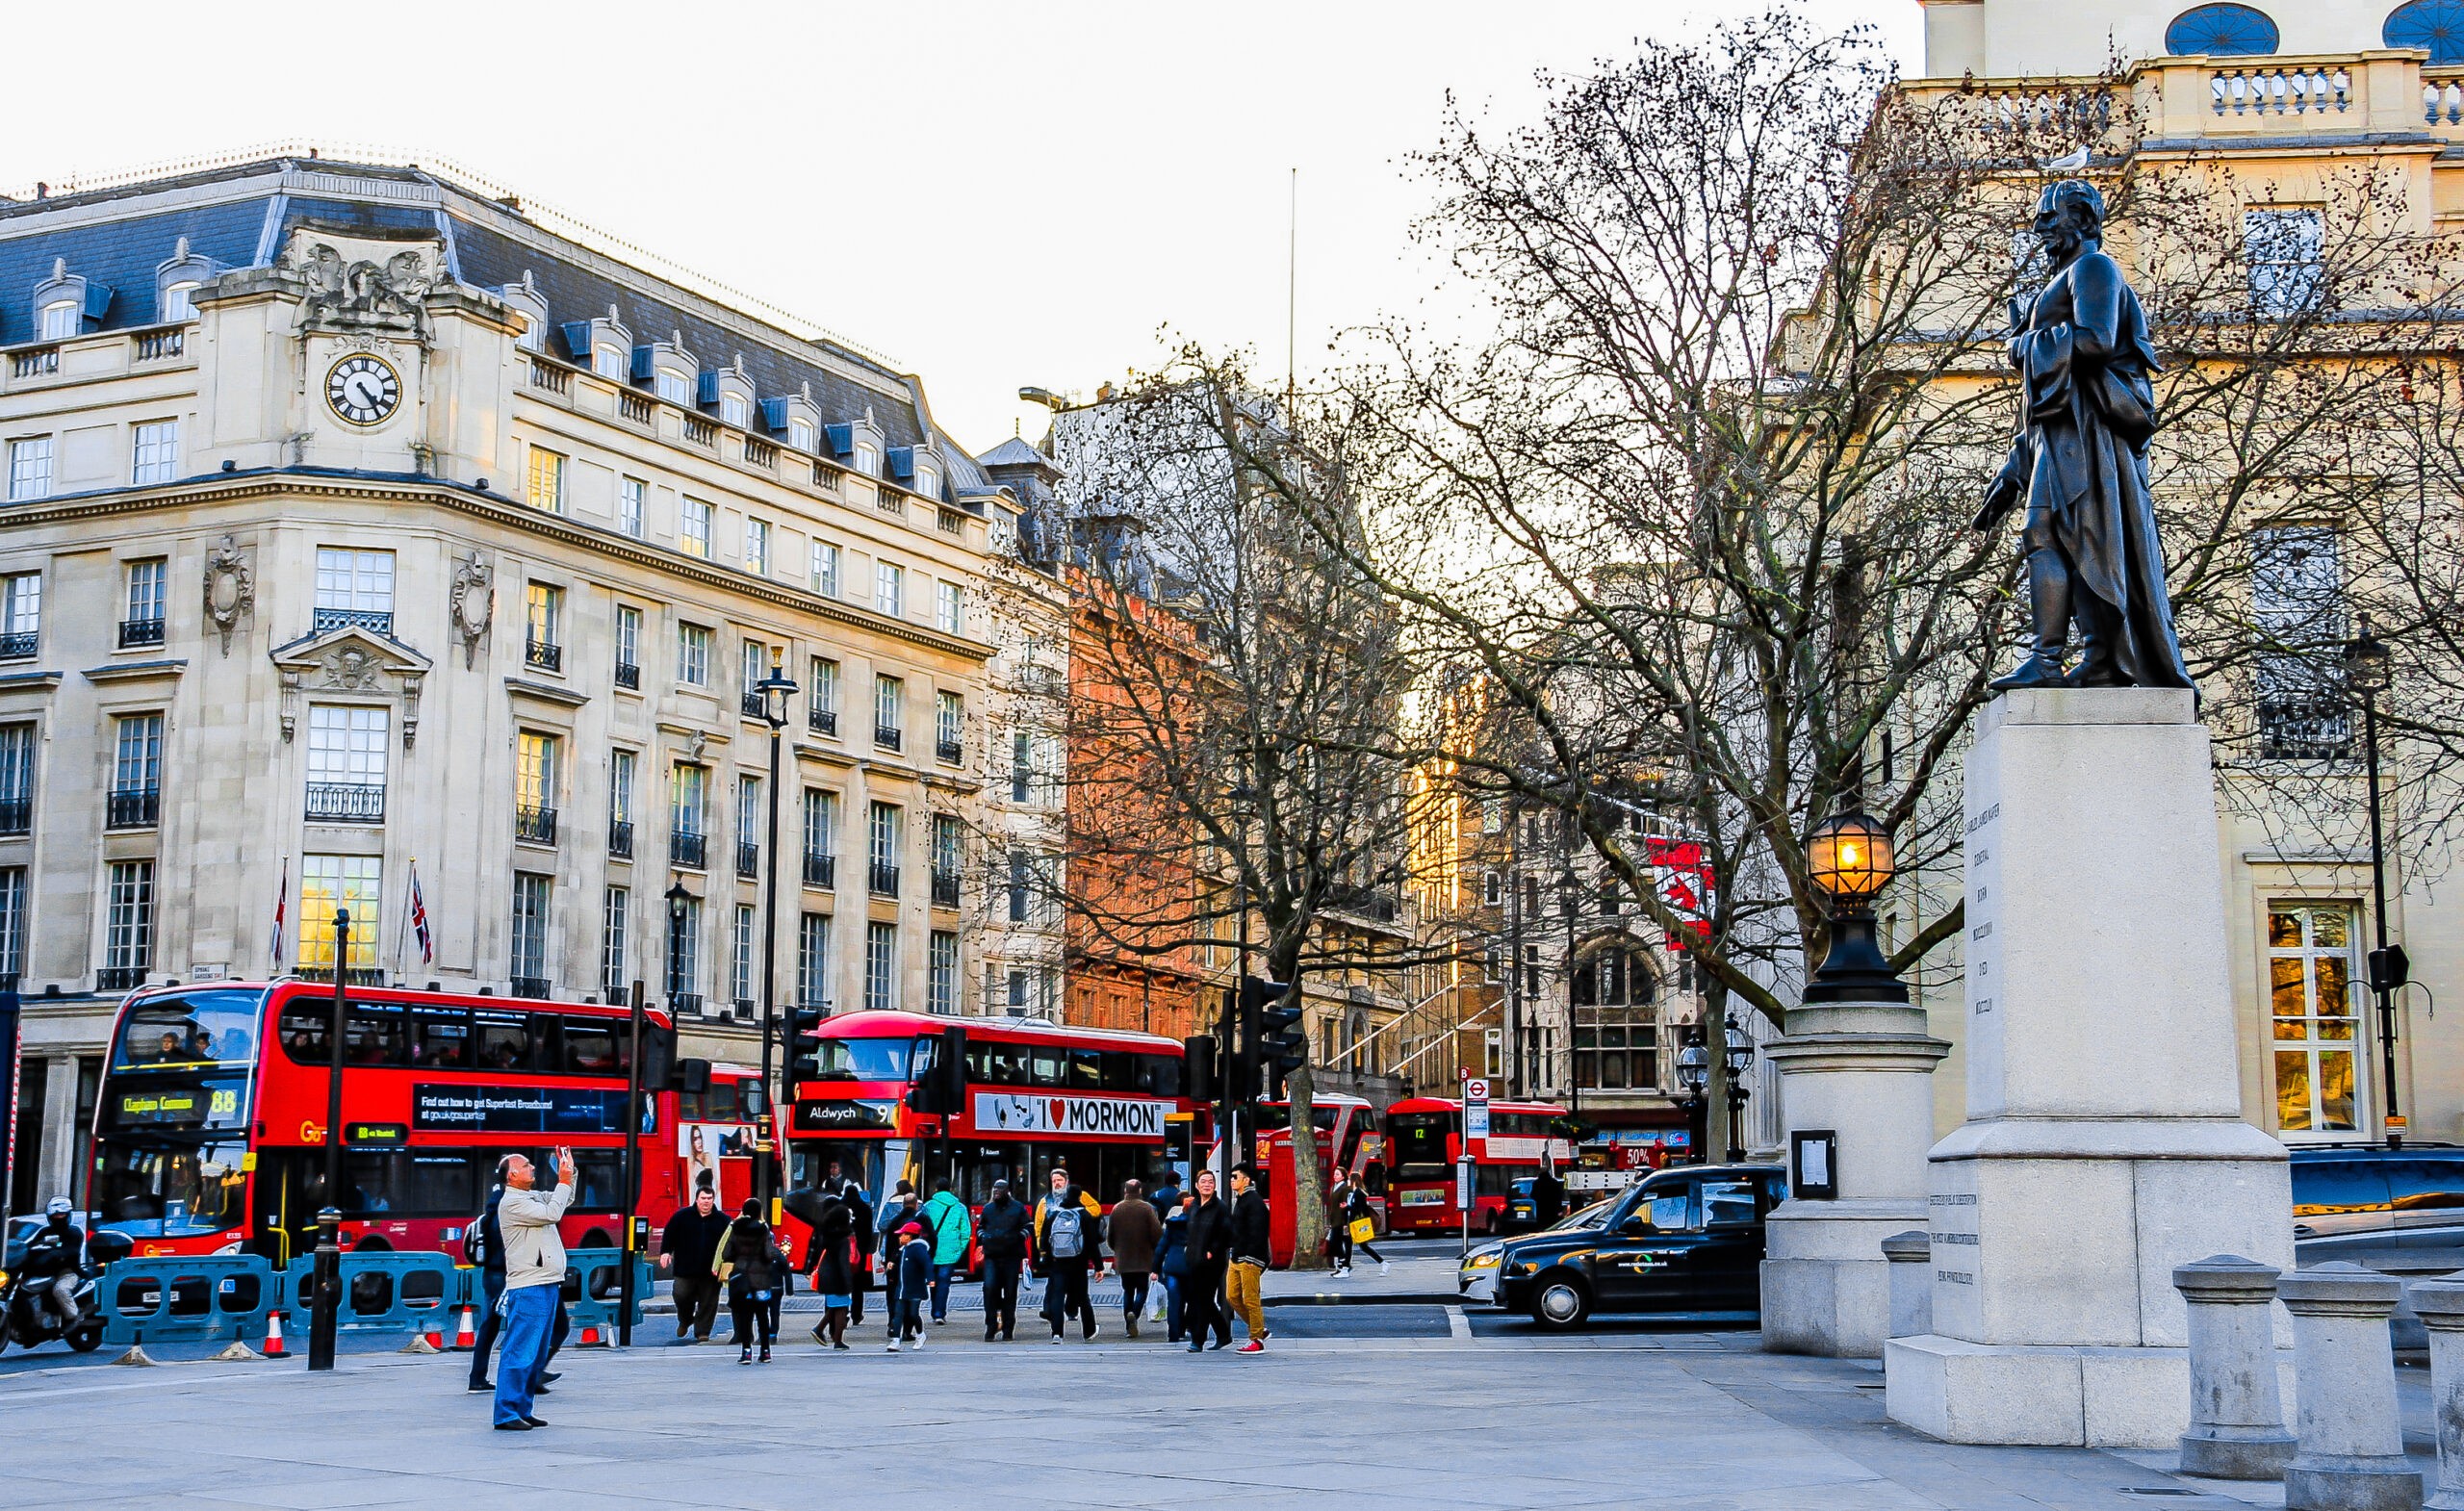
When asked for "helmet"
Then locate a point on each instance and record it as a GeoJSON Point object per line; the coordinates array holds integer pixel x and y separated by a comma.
{"type": "Point", "coordinates": [57, 1207]}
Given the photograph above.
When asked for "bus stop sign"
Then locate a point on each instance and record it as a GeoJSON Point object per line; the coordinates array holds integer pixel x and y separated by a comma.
{"type": "Point", "coordinates": [1475, 1112]}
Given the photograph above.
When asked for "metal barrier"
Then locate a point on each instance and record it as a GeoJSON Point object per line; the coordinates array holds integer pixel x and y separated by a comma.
{"type": "Point", "coordinates": [594, 1292]}
{"type": "Point", "coordinates": [192, 1298]}
{"type": "Point", "coordinates": [387, 1291]}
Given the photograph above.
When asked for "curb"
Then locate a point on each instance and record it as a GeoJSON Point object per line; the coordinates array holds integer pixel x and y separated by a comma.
{"type": "Point", "coordinates": [1356, 1299]}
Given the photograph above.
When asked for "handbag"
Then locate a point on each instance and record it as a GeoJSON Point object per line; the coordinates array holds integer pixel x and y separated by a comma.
{"type": "Point", "coordinates": [1363, 1230]}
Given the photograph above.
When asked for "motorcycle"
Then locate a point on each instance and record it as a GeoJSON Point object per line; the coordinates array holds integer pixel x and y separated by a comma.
{"type": "Point", "coordinates": [28, 1320]}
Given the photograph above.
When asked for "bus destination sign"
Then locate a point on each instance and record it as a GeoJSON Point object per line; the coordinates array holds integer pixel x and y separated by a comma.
{"type": "Point", "coordinates": [516, 1109]}
{"type": "Point", "coordinates": [362, 1136]}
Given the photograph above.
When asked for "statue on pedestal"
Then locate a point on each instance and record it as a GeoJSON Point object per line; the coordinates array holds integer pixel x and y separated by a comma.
{"type": "Point", "coordinates": [2080, 462]}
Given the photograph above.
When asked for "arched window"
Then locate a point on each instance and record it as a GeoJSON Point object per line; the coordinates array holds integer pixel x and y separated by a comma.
{"type": "Point", "coordinates": [2222, 31]}
{"type": "Point", "coordinates": [2437, 25]}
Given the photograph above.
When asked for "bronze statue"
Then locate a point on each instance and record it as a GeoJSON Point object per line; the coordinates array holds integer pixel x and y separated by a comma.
{"type": "Point", "coordinates": [2081, 462]}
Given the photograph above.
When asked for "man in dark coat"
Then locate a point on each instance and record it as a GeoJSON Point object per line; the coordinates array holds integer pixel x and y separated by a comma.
{"type": "Point", "coordinates": [1252, 1234]}
{"type": "Point", "coordinates": [686, 1248]}
{"type": "Point", "coordinates": [1210, 1250]}
{"type": "Point", "coordinates": [1135, 1229]}
{"type": "Point", "coordinates": [1001, 1231]}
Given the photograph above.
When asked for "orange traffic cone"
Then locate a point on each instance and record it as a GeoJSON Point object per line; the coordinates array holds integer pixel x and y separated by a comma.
{"type": "Point", "coordinates": [589, 1337]}
{"type": "Point", "coordinates": [274, 1335]}
{"type": "Point", "coordinates": [435, 1338]}
{"type": "Point", "coordinates": [466, 1338]}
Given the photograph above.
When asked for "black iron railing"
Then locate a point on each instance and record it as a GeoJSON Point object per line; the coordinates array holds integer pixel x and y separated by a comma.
{"type": "Point", "coordinates": [17, 645]}
{"type": "Point", "coordinates": [120, 978]}
{"type": "Point", "coordinates": [380, 620]}
{"type": "Point", "coordinates": [545, 655]}
{"type": "Point", "coordinates": [345, 802]}
{"type": "Point", "coordinates": [141, 633]}
{"type": "Point", "coordinates": [534, 825]}
{"type": "Point", "coordinates": [947, 751]}
{"type": "Point", "coordinates": [945, 888]}
{"type": "Point", "coordinates": [821, 871]}
{"type": "Point", "coordinates": [684, 849]}
{"type": "Point", "coordinates": [136, 809]}
{"type": "Point", "coordinates": [17, 815]}
{"type": "Point", "coordinates": [822, 721]}
{"type": "Point", "coordinates": [628, 677]}
{"type": "Point", "coordinates": [748, 859]}
{"type": "Point", "coordinates": [620, 838]}
{"type": "Point", "coordinates": [535, 987]}
{"type": "Point", "coordinates": [887, 737]}
{"type": "Point", "coordinates": [884, 879]}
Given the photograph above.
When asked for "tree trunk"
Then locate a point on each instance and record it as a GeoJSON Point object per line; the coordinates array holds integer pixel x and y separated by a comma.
{"type": "Point", "coordinates": [1308, 1191]}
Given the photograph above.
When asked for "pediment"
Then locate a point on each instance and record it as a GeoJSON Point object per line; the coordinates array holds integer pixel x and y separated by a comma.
{"type": "Point", "coordinates": [349, 658]}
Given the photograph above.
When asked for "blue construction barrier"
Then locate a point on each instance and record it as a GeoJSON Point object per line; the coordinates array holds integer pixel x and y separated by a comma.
{"type": "Point", "coordinates": [387, 1291]}
{"type": "Point", "coordinates": [188, 1299]}
{"type": "Point", "coordinates": [593, 1289]}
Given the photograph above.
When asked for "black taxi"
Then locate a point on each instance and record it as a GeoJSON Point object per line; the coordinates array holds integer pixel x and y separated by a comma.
{"type": "Point", "coordinates": [1682, 1243]}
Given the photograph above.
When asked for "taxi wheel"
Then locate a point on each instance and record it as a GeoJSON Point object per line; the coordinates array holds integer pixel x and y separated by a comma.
{"type": "Point", "coordinates": [1562, 1301]}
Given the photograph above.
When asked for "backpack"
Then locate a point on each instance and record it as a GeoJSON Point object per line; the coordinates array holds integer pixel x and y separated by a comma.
{"type": "Point", "coordinates": [1068, 1230]}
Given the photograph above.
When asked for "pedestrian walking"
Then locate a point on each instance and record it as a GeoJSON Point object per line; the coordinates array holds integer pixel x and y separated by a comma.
{"type": "Point", "coordinates": [831, 1262]}
{"type": "Point", "coordinates": [1250, 1249]}
{"type": "Point", "coordinates": [1172, 1266]}
{"type": "Point", "coordinates": [1347, 1207]}
{"type": "Point", "coordinates": [484, 1247]}
{"type": "Point", "coordinates": [745, 1268]}
{"type": "Point", "coordinates": [688, 1249]}
{"type": "Point", "coordinates": [1070, 1228]}
{"type": "Point", "coordinates": [783, 1265]}
{"type": "Point", "coordinates": [1135, 1229]}
{"type": "Point", "coordinates": [945, 1219]}
{"type": "Point", "coordinates": [860, 1217]}
{"type": "Point", "coordinates": [896, 1213]}
{"type": "Point", "coordinates": [914, 1280]}
{"type": "Point", "coordinates": [1210, 1252]}
{"type": "Point", "coordinates": [1002, 1233]}
{"type": "Point", "coordinates": [535, 1272]}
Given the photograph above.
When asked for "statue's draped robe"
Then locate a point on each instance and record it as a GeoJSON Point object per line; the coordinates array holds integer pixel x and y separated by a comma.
{"type": "Point", "coordinates": [2086, 360]}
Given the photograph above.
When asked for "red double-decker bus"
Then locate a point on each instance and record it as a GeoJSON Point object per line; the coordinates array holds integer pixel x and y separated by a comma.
{"type": "Point", "coordinates": [1107, 1106]}
{"type": "Point", "coordinates": [1424, 1139]}
{"type": "Point", "coordinates": [210, 1124]}
{"type": "Point", "coordinates": [1344, 1123]}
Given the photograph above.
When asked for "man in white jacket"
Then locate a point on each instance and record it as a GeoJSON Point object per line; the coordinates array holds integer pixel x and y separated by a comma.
{"type": "Point", "coordinates": [534, 1266]}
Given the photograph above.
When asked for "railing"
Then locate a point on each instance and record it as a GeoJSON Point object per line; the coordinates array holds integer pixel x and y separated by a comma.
{"type": "Point", "coordinates": [699, 431]}
{"type": "Point", "coordinates": [353, 976]}
{"type": "Point", "coordinates": [544, 655]}
{"type": "Point", "coordinates": [636, 408]}
{"type": "Point", "coordinates": [947, 751]}
{"type": "Point", "coordinates": [684, 848]}
{"type": "Point", "coordinates": [2301, 88]}
{"type": "Point", "coordinates": [159, 345]}
{"type": "Point", "coordinates": [620, 838]}
{"type": "Point", "coordinates": [17, 815]}
{"type": "Point", "coordinates": [534, 825]}
{"type": "Point", "coordinates": [629, 676]}
{"type": "Point", "coordinates": [884, 879]}
{"type": "Point", "coordinates": [40, 362]}
{"type": "Point", "coordinates": [139, 809]}
{"type": "Point", "coordinates": [684, 1004]}
{"type": "Point", "coordinates": [945, 888]}
{"type": "Point", "coordinates": [887, 736]}
{"type": "Point", "coordinates": [2305, 728]}
{"type": "Point", "coordinates": [822, 721]}
{"type": "Point", "coordinates": [120, 978]}
{"type": "Point", "coordinates": [555, 380]}
{"type": "Point", "coordinates": [754, 706]}
{"type": "Point", "coordinates": [824, 477]}
{"type": "Point", "coordinates": [889, 502]}
{"type": "Point", "coordinates": [345, 802]}
{"type": "Point", "coordinates": [141, 633]}
{"type": "Point", "coordinates": [821, 871]}
{"type": "Point", "coordinates": [533, 988]}
{"type": "Point", "coordinates": [748, 859]}
{"type": "Point", "coordinates": [18, 645]}
{"type": "Point", "coordinates": [380, 620]}
{"type": "Point", "coordinates": [759, 454]}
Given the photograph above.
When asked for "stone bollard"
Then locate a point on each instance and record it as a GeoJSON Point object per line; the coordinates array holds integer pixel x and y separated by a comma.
{"type": "Point", "coordinates": [1912, 1282]}
{"type": "Point", "coordinates": [2351, 1452]}
{"type": "Point", "coordinates": [2440, 1304]}
{"type": "Point", "coordinates": [2237, 1409]}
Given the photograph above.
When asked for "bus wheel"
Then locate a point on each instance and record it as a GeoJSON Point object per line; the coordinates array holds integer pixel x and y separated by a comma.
{"type": "Point", "coordinates": [86, 1339]}
{"type": "Point", "coordinates": [1562, 1301]}
{"type": "Point", "coordinates": [372, 1245]}
{"type": "Point", "coordinates": [595, 1237]}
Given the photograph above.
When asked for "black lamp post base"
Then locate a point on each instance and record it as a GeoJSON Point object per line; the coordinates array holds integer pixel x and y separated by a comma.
{"type": "Point", "coordinates": [1854, 970]}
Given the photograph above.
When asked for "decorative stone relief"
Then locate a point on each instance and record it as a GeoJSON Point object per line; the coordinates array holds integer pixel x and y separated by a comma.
{"type": "Point", "coordinates": [349, 669]}
{"type": "Point", "coordinates": [411, 681]}
{"type": "Point", "coordinates": [346, 291]}
{"type": "Point", "coordinates": [474, 604]}
{"type": "Point", "coordinates": [230, 589]}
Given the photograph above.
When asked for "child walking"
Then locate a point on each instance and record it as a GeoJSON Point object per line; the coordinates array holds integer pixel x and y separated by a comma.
{"type": "Point", "coordinates": [914, 1282]}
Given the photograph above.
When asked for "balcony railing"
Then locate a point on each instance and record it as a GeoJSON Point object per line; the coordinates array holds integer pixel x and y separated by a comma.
{"type": "Point", "coordinates": [822, 721]}
{"type": "Point", "coordinates": [748, 859]}
{"type": "Point", "coordinates": [887, 737]}
{"type": "Point", "coordinates": [635, 408]}
{"type": "Point", "coordinates": [354, 976]}
{"type": "Point", "coordinates": [141, 633]}
{"type": "Point", "coordinates": [544, 655]}
{"type": "Point", "coordinates": [947, 751]}
{"type": "Point", "coordinates": [161, 345]}
{"type": "Point", "coordinates": [754, 706]}
{"type": "Point", "coordinates": [821, 871]}
{"type": "Point", "coordinates": [555, 379]}
{"type": "Point", "coordinates": [120, 978]}
{"type": "Point", "coordinates": [535, 987]}
{"type": "Point", "coordinates": [628, 677]}
{"type": "Point", "coordinates": [17, 815]}
{"type": "Point", "coordinates": [699, 431]}
{"type": "Point", "coordinates": [620, 838]}
{"type": "Point", "coordinates": [380, 620]}
{"type": "Point", "coordinates": [684, 849]}
{"type": "Point", "coordinates": [40, 362]}
{"type": "Point", "coordinates": [684, 1004]}
{"type": "Point", "coordinates": [945, 888]}
{"type": "Point", "coordinates": [17, 645]}
{"type": "Point", "coordinates": [884, 879]}
{"type": "Point", "coordinates": [759, 454]}
{"type": "Point", "coordinates": [2305, 728]}
{"type": "Point", "coordinates": [136, 809]}
{"type": "Point", "coordinates": [534, 825]}
{"type": "Point", "coordinates": [347, 803]}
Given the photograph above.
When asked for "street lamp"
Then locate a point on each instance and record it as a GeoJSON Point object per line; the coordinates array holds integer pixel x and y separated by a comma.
{"type": "Point", "coordinates": [323, 1315]}
{"type": "Point", "coordinates": [1693, 1081]}
{"type": "Point", "coordinates": [1738, 1051]}
{"type": "Point", "coordinates": [774, 690]}
{"type": "Point", "coordinates": [676, 898]}
{"type": "Point", "coordinates": [1848, 862]}
{"type": "Point", "coordinates": [2369, 669]}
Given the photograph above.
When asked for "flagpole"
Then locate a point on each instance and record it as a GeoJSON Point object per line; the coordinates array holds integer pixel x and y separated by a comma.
{"type": "Point", "coordinates": [402, 938]}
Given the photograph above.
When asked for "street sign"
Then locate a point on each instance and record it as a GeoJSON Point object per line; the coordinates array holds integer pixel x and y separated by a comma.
{"type": "Point", "coordinates": [1463, 1184]}
{"type": "Point", "coordinates": [1475, 1089]}
{"type": "Point", "coordinates": [1476, 1110]}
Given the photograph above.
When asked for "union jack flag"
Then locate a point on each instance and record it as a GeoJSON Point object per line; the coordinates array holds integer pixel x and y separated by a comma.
{"type": "Point", "coordinates": [418, 920]}
{"type": "Point", "coordinates": [281, 905]}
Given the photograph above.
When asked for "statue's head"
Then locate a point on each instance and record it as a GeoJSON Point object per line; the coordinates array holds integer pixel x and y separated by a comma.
{"type": "Point", "coordinates": [2068, 213]}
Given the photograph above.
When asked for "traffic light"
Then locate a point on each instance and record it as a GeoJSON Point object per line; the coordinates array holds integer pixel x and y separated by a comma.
{"type": "Point", "coordinates": [1198, 1067]}
{"type": "Point", "coordinates": [942, 1088]}
{"type": "Point", "coordinates": [803, 1045]}
{"type": "Point", "coordinates": [1276, 1043]}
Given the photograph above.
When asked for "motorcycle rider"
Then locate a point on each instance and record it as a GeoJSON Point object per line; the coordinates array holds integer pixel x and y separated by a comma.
{"type": "Point", "coordinates": [53, 1260]}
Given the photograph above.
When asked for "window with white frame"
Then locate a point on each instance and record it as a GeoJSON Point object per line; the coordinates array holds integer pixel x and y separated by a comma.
{"type": "Point", "coordinates": [949, 723]}
{"type": "Point", "coordinates": [880, 835]}
{"type": "Point", "coordinates": [536, 760]}
{"type": "Point", "coordinates": [30, 468]}
{"type": "Point", "coordinates": [1493, 889]}
{"type": "Point", "coordinates": [825, 569]}
{"type": "Point", "coordinates": [868, 458]}
{"type": "Point", "coordinates": [734, 410]}
{"type": "Point", "coordinates": [544, 615]}
{"type": "Point", "coordinates": [631, 494]}
{"type": "Point", "coordinates": [615, 918]}
{"type": "Point", "coordinates": [2285, 248]}
{"type": "Point", "coordinates": [693, 655]}
{"type": "Point", "coordinates": [802, 436]}
{"type": "Point", "coordinates": [154, 451]}
{"type": "Point", "coordinates": [813, 960]}
{"type": "Point", "coordinates": [688, 796]}
{"type": "Point", "coordinates": [179, 303]}
{"type": "Point", "coordinates": [2313, 997]}
{"type": "Point", "coordinates": [13, 923]}
{"type": "Point", "coordinates": [685, 951]}
{"type": "Point", "coordinates": [890, 588]}
{"type": "Point", "coordinates": [881, 966]}
{"type": "Point", "coordinates": [693, 527]}
{"type": "Point", "coordinates": [890, 693]}
{"type": "Point", "coordinates": [948, 608]}
{"type": "Point", "coordinates": [823, 689]}
{"type": "Point", "coordinates": [60, 320]}
{"type": "Point", "coordinates": [942, 984]}
{"type": "Point", "coordinates": [328, 885]}
{"type": "Point", "coordinates": [348, 746]}
{"type": "Point", "coordinates": [821, 822]}
{"type": "Point", "coordinates": [746, 947]}
{"type": "Point", "coordinates": [621, 767]}
{"type": "Point", "coordinates": [146, 582]}
{"type": "Point", "coordinates": [755, 668]}
{"type": "Point", "coordinates": [532, 895]}
{"type": "Point", "coordinates": [137, 765]}
{"type": "Point", "coordinates": [757, 546]}
{"type": "Point", "coordinates": [674, 386]}
{"type": "Point", "coordinates": [748, 810]}
{"type": "Point", "coordinates": [16, 778]}
{"type": "Point", "coordinates": [350, 584]}
{"type": "Point", "coordinates": [546, 480]}
{"type": "Point", "coordinates": [609, 360]}
{"type": "Point", "coordinates": [628, 642]}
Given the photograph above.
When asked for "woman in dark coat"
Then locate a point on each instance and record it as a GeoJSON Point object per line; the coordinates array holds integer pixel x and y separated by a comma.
{"type": "Point", "coordinates": [753, 1279]}
{"type": "Point", "coordinates": [832, 1265]}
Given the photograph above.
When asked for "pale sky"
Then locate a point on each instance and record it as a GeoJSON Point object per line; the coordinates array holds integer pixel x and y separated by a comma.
{"type": "Point", "coordinates": [991, 194]}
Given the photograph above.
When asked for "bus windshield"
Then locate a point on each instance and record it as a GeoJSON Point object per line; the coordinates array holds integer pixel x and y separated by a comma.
{"type": "Point", "coordinates": [193, 1031]}
{"type": "Point", "coordinates": [865, 1059]}
{"type": "Point", "coordinates": [1419, 1139]}
{"type": "Point", "coordinates": [157, 1189]}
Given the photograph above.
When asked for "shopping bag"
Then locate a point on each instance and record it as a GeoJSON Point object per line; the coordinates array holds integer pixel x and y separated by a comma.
{"type": "Point", "coordinates": [1363, 1230]}
{"type": "Point", "coordinates": [1155, 1304]}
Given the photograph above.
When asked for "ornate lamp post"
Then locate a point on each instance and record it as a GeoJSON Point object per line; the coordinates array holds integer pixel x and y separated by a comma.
{"type": "Point", "coordinates": [774, 690]}
{"type": "Point", "coordinates": [323, 1315]}
{"type": "Point", "coordinates": [676, 898]}
{"type": "Point", "coordinates": [1693, 1081]}
{"type": "Point", "coordinates": [1738, 1051]}
{"type": "Point", "coordinates": [1848, 860]}
{"type": "Point", "coordinates": [2369, 669]}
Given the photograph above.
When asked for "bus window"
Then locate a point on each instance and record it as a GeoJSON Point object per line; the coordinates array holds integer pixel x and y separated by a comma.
{"type": "Point", "coordinates": [194, 1031]}
{"type": "Point", "coordinates": [1044, 1066]}
{"type": "Point", "coordinates": [305, 1022]}
{"type": "Point", "coordinates": [598, 1178]}
{"type": "Point", "coordinates": [1120, 1071]}
{"type": "Point", "coordinates": [378, 1034]}
{"type": "Point", "coordinates": [410, 1183]}
{"type": "Point", "coordinates": [1158, 1075]}
{"type": "Point", "coordinates": [591, 1047]}
{"type": "Point", "coordinates": [863, 1059]}
{"type": "Point", "coordinates": [503, 1040]}
{"type": "Point", "coordinates": [441, 1039]}
{"type": "Point", "coordinates": [1086, 1070]}
{"type": "Point", "coordinates": [1420, 1142]}
{"type": "Point", "coordinates": [721, 1104]}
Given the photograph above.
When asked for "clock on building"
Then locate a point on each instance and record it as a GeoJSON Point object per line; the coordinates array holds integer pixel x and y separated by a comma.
{"type": "Point", "coordinates": [364, 390]}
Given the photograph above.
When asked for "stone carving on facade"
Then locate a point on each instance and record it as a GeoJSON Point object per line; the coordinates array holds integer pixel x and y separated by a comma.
{"type": "Point", "coordinates": [474, 604]}
{"type": "Point", "coordinates": [360, 290]}
{"type": "Point", "coordinates": [353, 664]}
{"type": "Point", "coordinates": [230, 588]}
{"type": "Point", "coordinates": [349, 669]}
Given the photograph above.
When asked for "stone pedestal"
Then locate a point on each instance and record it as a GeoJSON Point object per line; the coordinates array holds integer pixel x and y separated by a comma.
{"type": "Point", "coordinates": [1911, 1255]}
{"type": "Point", "coordinates": [2351, 1452]}
{"type": "Point", "coordinates": [2104, 1143]}
{"type": "Point", "coordinates": [1862, 1071]}
{"type": "Point", "coordinates": [2237, 1407]}
{"type": "Point", "coordinates": [2440, 1305]}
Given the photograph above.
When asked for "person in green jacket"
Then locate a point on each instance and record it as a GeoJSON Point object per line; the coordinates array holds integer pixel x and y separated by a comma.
{"type": "Point", "coordinates": [948, 1224]}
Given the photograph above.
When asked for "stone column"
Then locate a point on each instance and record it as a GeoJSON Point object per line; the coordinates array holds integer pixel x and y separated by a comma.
{"type": "Point", "coordinates": [1863, 1072]}
{"type": "Point", "coordinates": [2236, 1408]}
{"type": "Point", "coordinates": [2351, 1454]}
{"type": "Point", "coordinates": [2440, 1305]}
{"type": "Point", "coordinates": [1911, 1256]}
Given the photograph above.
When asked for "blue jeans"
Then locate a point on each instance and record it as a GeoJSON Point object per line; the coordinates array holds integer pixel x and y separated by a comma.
{"type": "Point", "coordinates": [530, 1312]}
{"type": "Point", "coordinates": [1133, 1295]}
{"type": "Point", "coordinates": [942, 1274]}
{"type": "Point", "coordinates": [1175, 1309]}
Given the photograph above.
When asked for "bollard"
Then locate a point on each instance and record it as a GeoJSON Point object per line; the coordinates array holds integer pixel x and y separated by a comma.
{"type": "Point", "coordinates": [2237, 1409]}
{"type": "Point", "coordinates": [1912, 1282]}
{"type": "Point", "coordinates": [2351, 1452]}
{"type": "Point", "coordinates": [2440, 1304]}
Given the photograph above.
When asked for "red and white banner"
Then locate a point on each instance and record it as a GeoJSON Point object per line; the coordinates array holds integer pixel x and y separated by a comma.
{"type": "Point", "coordinates": [1028, 1111]}
{"type": "Point", "coordinates": [1682, 876]}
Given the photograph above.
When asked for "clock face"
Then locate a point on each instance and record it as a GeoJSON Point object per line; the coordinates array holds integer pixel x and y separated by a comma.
{"type": "Point", "coordinates": [364, 390]}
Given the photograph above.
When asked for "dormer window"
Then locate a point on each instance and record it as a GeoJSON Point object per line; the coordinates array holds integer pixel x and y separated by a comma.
{"type": "Point", "coordinates": [859, 443]}
{"type": "Point", "coordinates": [802, 435]}
{"type": "Point", "coordinates": [668, 369]}
{"type": "Point", "coordinates": [796, 419]}
{"type": "Point", "coordinates": [736, 410]}
{"type": "Point", "coordinates": [179, 303]}
{"type": "Point", "coordinates": [868, 458]}
{"type": "Point", "coordinates": [729, 391]}
{"type": "Point", "coordinates": [928, 479]}
{"type": "Point", "coordinates": [66, 301]}
{"type": "Point", "coordinates": [672, 385]}
{"type": "Point", "coordinates": [526, 300]}
{"type": "Point", "coordinates": [59, 320]}
{"type": "Point", "coordinates": [603, 345]}
{"type": "Point", "coordinates": [176, 282]}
